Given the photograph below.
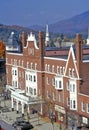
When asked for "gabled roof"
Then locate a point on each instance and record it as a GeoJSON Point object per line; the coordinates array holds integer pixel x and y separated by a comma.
{"type": "Point", "coordinates": [71, 57]}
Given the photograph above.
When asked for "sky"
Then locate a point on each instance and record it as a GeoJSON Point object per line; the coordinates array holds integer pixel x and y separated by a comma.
{"type": "Point", "coordinates": [39, 12]}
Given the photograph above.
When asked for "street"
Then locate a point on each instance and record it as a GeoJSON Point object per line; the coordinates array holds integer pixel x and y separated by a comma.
{"type": "Point", "coordinates": [6, 126]}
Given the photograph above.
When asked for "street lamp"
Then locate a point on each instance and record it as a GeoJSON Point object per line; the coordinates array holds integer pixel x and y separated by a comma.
{"type": "Point", "coordinates": [52, 119]}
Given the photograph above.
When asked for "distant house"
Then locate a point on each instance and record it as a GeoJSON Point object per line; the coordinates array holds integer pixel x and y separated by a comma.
{"type": "Point", "coordinates": [50, 79]}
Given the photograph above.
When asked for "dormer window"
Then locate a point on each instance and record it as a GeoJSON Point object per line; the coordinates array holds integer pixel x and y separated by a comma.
{"type": "Point", "coordinates": [70, 72]}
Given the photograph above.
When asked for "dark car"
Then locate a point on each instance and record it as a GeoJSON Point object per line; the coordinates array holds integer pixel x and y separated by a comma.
{"type": "Point", "coordinates": [24, 126]}
{"type": "Point", "coordinates": [17, 123]}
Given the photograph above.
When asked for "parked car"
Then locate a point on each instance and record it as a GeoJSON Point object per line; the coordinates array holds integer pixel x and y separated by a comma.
{"type": "Point", "coordinates": [17, 123]}
{"type": "Point", "coordinates": [22, 125]}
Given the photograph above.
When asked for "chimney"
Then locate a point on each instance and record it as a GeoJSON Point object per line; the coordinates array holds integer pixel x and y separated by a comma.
{"type": "Point", "coordinates": [24, 39]}
{"type": "Point", "coordinates": [41, 43]}
{"type": "Point", "coordinates": [79, 51]}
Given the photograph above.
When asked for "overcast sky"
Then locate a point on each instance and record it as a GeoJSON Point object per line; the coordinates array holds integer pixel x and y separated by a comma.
{"type": "Point", "coordinates": [39, 12]}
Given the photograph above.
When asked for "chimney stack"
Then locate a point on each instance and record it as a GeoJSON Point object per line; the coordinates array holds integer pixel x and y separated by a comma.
{"type": "Point", "coordinates": [79, 51]}
{"type": "Point", "coordinates": [24, 39]}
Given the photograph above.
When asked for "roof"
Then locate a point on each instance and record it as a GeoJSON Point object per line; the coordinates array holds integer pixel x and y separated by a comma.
{"type": "Point", "coordinates": [13, 39]}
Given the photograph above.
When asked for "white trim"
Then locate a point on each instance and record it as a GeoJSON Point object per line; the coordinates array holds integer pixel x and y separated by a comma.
{"type": "Point", "coordinates": [71, 51]}
{"type": "Point", "coordinates": [51, 58]}
{"type": "Point", "coordinates": [85, 61]}
{"type": "Point", "coordinates": [32, 38]}
{"type": "Point", "coordinates": [83, 95]}
{"type": "Point", "coordinates": [10, 53]}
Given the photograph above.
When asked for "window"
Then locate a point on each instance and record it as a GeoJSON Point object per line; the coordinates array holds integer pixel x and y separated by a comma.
{"type": "Point", "coordinates": [15, 72]}
{"type": "Point", "coordinates": [54, 96]}
{"type": "Point", "coordinates": [71, 104]}
{"type": "Point", "coordinates": [74, 104]}
{"type": "Point", "coordinates": [67, 86]}
{"type": "Point", "coordinates": [48, 94]}
{"type": "Point", "coordinates": [53, 69]}
{"type": "Point", "coordinates": [15, 83]}
{"type": "Point", "coordinates": [27, 64]}
{"type": "Point", "coordinates": [31, 65]}
{"type": "Point", "coordinates": [34, 78]}
{"type": "Point", "coordinates": [12, 72]}
{"type": "Point", "coordinates": [87, 108]}
{"type": "Point", "coordinates": [48, 68]}
{"type": "Point", "coordinates": [47, 80]}
{"type": "Point", "coordinates": [68, 101]}
{"type": "Point", "coordinates": [70, 72]}
{"type": "Point", "coordinates": [60, 84]}
{"type": "Point", "coordinates": [35, 66]}
{"type": "Point", "coordinates": [61, 71]}
{"type": "Point", "coordinates": [73, 87]}
{"type": "Point", "coordinates": [12, 83]}
{"type": "Point", "coordinates": [57, 69]}
{"type": "Point", "coordinates": [83, 106]}
{"type": "Point", "coordinates": [53, 81]}
{"type": "Point", "coordinates": [34, 91]}
{"type": "Point", "coordinates": [31, 78]}
{"type": "Point", "coordinates": [26, 77]}
{"type": "Point", "coordinates": [31, 91]}
{"type": "Point", "coordinates": [27, 89]}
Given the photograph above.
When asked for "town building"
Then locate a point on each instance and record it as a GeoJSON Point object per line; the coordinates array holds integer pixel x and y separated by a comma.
{"type": "Point", "coordinates": [50, 80]}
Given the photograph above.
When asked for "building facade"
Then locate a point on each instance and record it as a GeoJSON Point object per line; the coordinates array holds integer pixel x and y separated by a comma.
{"type": "Point", "coordinates": [50, 80]}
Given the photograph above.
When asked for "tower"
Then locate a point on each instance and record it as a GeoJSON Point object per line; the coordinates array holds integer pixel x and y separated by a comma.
{"type": "Point", "coordinates": [47, 36]}
{"type": "Point", "coordinates": [88, 37]}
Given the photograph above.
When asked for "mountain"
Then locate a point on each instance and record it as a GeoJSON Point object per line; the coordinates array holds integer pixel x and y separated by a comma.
{"type": "Point", "coordinates": [76, 24]}
{"type": "Point", "coordinates": [71, 26]}
{"type": "Point", "coordinates": [5, 31]}
{"type": "Point", "coordinates": [37, 28]}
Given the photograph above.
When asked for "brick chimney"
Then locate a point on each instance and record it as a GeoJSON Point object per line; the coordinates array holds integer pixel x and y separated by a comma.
{"type": "Point", "coordinates": [79, 51]}
{"type": "Point", "coordinates": [24, 39]}
{"type": "Point", "coordinates": [41, 43]}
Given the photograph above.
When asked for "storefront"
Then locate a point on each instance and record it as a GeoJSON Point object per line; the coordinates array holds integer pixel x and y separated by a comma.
{"type": "Point", "coordinates": [60, 114]}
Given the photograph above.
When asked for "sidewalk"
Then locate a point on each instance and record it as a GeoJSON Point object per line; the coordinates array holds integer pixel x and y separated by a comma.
{"type": "Point", "coordinates": [38, 122]}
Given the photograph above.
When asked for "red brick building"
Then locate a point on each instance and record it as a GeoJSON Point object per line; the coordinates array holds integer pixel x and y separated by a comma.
{"type": "Point", "coordinates": [51, 80]}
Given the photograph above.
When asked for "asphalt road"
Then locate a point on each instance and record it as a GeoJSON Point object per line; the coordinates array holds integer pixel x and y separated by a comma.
{"type": "Point", "coordinates": [6, 126]}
